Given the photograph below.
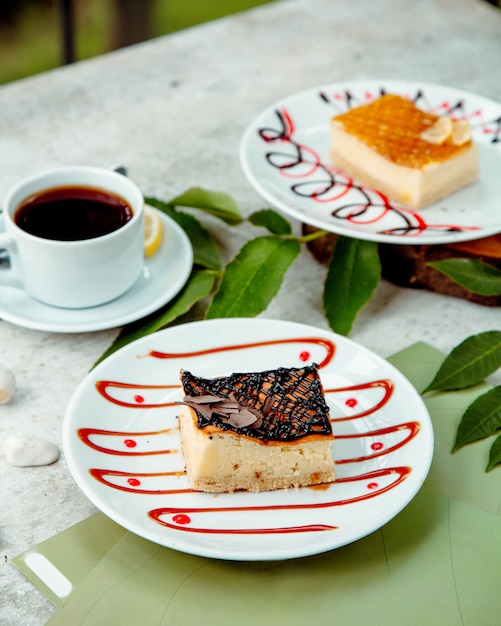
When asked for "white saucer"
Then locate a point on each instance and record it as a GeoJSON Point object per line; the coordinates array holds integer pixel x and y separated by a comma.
{"type": "Point", "coordinates": [164, 275]}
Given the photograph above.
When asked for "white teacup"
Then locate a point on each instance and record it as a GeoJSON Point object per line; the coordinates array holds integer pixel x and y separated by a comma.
{"type": "Point", "coordinates": [79, 273]}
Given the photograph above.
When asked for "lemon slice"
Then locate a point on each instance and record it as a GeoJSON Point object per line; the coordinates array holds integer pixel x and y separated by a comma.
{"type": "Point", "coordinates": [152, 231]}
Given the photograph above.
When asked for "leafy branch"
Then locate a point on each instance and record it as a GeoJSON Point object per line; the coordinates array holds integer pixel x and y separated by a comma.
{"type": "Point", "coordinates": [467, 365]}
{"type": "Point", "coordinates": [248, 283]}
{"type": "Point", "coordinates": [474, 359]}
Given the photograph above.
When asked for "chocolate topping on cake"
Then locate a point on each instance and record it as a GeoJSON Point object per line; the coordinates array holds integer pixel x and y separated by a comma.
{"type": "Point", "coordinates": [279, 405]}
{"type": "Point", "coordinates": [230, 411]}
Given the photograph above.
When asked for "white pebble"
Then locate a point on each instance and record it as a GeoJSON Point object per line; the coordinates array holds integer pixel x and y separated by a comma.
{"type": "Point", "coordinates": [28, 451]}
{"type": "Point", "coordinates": [7, 385]}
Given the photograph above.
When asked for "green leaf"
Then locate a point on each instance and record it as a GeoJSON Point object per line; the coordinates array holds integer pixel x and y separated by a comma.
{"type": "Point", "coordinates": [471, 274]}
{"type": "Point", "coordinates": [353, 275]}
{"type": "Point", "coordinates": [469, 363]}
{"type": "Point", "coordinates": [199, 286]}
{"type": "Point", "coordinates": [481, 419]}
{"type": "Point", "coordinates": [205, 251]}
{"type": "Point", "coordinates": [254, 277]}
{"type": "Point", "coordinates": [271, 220]}
{"type": "Point", "coordinates": [159, 204]}
{"type": "Point", "coordinates": [495, 455]}
{"type": "Point", "coordinates": [216, 203]}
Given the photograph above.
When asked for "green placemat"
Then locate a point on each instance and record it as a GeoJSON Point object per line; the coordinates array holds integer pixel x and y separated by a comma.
{"type": "Point", "coordinates": [437, 562]}
{"type": "Point", "coordinates": [57, 566]}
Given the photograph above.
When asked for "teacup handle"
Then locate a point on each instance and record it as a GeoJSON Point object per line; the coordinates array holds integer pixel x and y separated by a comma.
{"type": "Point", "coordinates": [9, 275]}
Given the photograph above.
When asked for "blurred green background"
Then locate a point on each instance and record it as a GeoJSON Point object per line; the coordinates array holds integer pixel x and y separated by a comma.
{"type": "Point", "coordinates": [31, 38]}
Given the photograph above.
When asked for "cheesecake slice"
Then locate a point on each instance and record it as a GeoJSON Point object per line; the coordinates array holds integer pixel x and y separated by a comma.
{"type": "Point", "coordinates": [413, 157]}
{"type": "Point", "coordinates": [256, 431]}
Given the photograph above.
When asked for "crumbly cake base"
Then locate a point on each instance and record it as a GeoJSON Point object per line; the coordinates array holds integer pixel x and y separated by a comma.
{"type": "Point", "coordinates": [414, 188]}
{"type": "Point", "coordinates": [223, 461]}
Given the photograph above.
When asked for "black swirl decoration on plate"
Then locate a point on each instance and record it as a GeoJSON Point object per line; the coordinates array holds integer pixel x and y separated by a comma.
{"type": "Point", "coordinates": [312, 179]}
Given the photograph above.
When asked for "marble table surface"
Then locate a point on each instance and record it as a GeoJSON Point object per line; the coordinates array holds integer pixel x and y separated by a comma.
{"type": "Point", "coordinates": [173, 110]}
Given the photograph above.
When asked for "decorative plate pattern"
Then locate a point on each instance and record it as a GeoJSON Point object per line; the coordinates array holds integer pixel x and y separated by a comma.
{"type": "Point", "coordinates": [122, 443]}
{"type": "Point", "coordinates": [284, 154]}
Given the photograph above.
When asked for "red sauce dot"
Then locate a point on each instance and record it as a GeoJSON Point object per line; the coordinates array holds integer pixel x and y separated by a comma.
{"type": "Point", "coordinates": [377, 445]}
{"type": "Point", "coordinates": [304, 356]}
{"type": "Point", "coordinates": [130, 443]}
{"type": "Point", "coordinates": [351, 402]}
{"type": "Point", "coordinates": [133, 482]}
{"type": "Point", "coordinates": [139, 399]}
{"type": "Point", "coordinates": [372, 486]}
{"type": "Point", "coordinates": [181, 518]}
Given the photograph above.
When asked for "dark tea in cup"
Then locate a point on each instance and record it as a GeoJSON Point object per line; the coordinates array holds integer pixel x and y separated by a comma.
{"type": "Point", "coordinates": [72, 213]}
{"type": "Point", "coordinates": [73, 235]}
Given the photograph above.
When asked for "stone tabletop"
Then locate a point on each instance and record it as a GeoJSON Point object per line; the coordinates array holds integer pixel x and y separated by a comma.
{"type": "Point", "coordinates": [173, 111]}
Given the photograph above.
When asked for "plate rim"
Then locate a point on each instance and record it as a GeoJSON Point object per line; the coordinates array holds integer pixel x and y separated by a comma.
{"type": "Point", "coordinates": [69, 437]}
{"type": "Point", "coordinates": [399, 84]}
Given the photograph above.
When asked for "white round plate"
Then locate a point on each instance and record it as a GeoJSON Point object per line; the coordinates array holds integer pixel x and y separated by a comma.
{"type": "Point", "coordinates": [284, 153]}
{"type": "Point", "coordinates": [164, 275]}
{"type": "Point", "coordinates": [122, 444]}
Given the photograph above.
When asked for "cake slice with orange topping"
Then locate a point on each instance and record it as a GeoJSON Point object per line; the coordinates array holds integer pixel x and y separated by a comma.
{"type": "Point", "coordinates": [256, 431]}
{"type": "Point", "coordinates": [412, 156]}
